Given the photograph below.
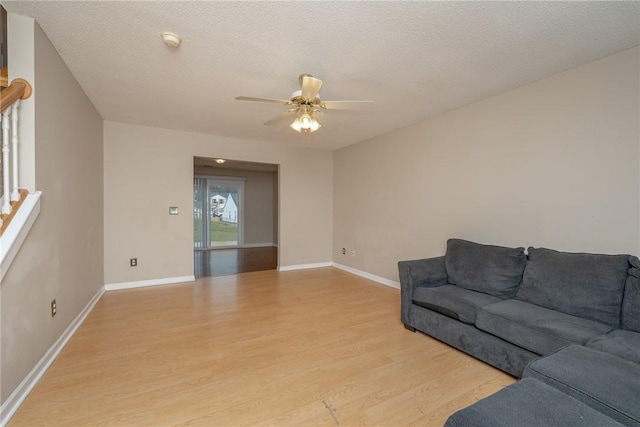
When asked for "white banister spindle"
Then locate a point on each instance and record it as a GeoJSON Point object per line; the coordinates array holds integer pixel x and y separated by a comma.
{"type": "Point", "coordinates": [15, 194]}
{"type": "Point", "coordinates": [1, 164]}
{"type": "Point", "coordinates": [6, 184]}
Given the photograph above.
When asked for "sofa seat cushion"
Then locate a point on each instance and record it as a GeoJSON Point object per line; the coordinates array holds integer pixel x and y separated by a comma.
{"type": "Point", "coordinates": [590, 286]}
{"type": "Point", "coordinates": [529, 403]}
{"type": "Point", "coordinates": [535, 328]}
{"type": "Point", "coordinates": [624, 344]}
{"type": "Point", "coordinates": [453, 301]}
{"type": "Point", "coordinates": [607, 383]}
{"type": "Point", "coordinates": [494, 270]}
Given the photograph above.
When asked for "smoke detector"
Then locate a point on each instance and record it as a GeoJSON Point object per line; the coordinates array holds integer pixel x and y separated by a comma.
{"type": "Point", "coordinates": [171, 39]}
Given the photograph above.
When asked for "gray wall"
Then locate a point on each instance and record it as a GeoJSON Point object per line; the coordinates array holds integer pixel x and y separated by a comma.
{"type": "Point", "coordinates": [62, 257]}
{"type": "Point", "coordinates": [554, 163]}
{"type": "Point", "coordinates": [260, 202]}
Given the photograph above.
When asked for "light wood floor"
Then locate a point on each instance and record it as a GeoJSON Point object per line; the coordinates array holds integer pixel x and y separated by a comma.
{"type": "Point", "coordinates": [314, 347]}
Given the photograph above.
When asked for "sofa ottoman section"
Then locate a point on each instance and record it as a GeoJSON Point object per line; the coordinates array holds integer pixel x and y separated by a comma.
{"type": "Point", "coordinates": [529, 403]}
{"type": "Point", "coordinates": [601, 380]}
{"type": "Point", "coordinates": [535, 328]}
{"type": "Point", "coordinates": [453, 301]}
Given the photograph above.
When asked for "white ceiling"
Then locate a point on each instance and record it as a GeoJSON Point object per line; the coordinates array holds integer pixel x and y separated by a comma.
{"type": "Point", "coordinates": [413, 59]}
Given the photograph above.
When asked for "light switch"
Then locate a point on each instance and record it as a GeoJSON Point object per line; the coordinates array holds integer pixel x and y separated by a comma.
{"type": "Point", "coordinates": [173, 210]}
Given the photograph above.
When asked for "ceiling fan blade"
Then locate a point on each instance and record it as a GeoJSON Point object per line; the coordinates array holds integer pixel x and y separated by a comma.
{"type": "Point", "coordinates": [273, 101]}
{"type": "Point", "coordinates": [348, 105]}
{"type": "Point", "coordinates": [280, 117]}
{"type": "Point", "coordinates": [310, 87]}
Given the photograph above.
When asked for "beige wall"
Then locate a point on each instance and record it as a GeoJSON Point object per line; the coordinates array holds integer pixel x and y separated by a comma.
{"type": "Point", "coordinates": [554, 163]}
{"type": "Point", "coordinates": [259, 202]}
{"type": "Point", "coordinates": [149, 169]}
{"type": "Point", "coordinates": [62, 257]}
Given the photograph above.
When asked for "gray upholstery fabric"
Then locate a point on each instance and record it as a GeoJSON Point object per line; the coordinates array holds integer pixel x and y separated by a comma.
{"type": "Point", "coordinates": [605, 382]}
{"type": "Point", "coordinates": [535, 328]}
{"type": "Point", "coordinates": [624, 344]}
{"type": "Point", "coordinates": [631, 302]}
{"type": "Point", "coordinates": [417, 273]}
{"type": "Point", "coordinates": [590, 286]}
{"type": "Point", "coordinates": [529, 403]}
{"type": "Point", "coordinates": [634, 261]}
{"type": "Point", "coordinates": [481, 345]}
{"type": "Point", "coordinates": [453, 301]}
{"type": "Point", "coordinates": [431, 272]}
{"type": "Point", "coordinates": [494, 270]}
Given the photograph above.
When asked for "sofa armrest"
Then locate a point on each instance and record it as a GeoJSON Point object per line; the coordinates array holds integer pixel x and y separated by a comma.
{"type": "Point", "coordinates": [429, 272]}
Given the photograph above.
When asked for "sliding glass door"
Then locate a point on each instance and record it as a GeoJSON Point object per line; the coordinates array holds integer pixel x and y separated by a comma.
{"type": "Point", "coordinates": [217, 212]}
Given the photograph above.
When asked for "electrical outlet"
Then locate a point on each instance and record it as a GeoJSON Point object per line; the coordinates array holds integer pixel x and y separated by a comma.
{"type": "Point", "coordinates": [353, 252]}
{"type": "Point", "coordinates": [54, 308]}
{"type": "Point", "coordinates": [344, 251]}
{"type": "Point", "coordinates": [133, 262]}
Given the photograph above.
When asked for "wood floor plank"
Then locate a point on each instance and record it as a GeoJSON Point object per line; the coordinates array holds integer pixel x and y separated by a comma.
{"type": "Point", "coordinates": [311, 347]}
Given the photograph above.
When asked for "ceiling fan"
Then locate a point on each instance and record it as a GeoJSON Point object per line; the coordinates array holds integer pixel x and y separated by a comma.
{"type": "Point", "coordinates": [306, 103]}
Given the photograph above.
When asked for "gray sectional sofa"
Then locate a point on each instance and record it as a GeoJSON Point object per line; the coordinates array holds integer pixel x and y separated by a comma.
{"type": "Point", "coordinates": [552, 318]}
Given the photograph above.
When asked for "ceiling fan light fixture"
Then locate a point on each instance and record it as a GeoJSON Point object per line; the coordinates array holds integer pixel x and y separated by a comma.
{"type": "Point", "coordinates": [305, 103]}
{"type": "Point", "coordinates": [305, 123]}
{"type": "Point", "coordinates": [296, 125]}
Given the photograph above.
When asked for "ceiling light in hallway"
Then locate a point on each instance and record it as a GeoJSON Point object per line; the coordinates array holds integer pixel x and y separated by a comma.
{"type": "Point", "coordinates": [171, 39]}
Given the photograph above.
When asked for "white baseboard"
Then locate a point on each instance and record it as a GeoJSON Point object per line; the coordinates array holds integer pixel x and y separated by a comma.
{"type": "Point", "coordinates": [304, 266]}
{"type": "Point", "coordinates": [369, 276]}
{"type": "Point", "coordinates": [351, 270]}
{"type": "Point", "coordinates": [13, 402]}
{"type": "Point", "coordinates": [145, 283]}
{"type": "Point", "coordinates": [258, 245]}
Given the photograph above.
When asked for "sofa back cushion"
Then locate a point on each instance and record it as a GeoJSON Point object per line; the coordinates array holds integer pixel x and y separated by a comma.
{"type": "Point", "coordinates": [494, 270]}
{"type": "Point", "coordinates": [631, 302]}
{"type": "Point", "coordinates": [590, 286]}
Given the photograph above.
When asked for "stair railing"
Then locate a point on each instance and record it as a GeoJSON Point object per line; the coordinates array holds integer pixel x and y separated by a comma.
{"type": "Point", "coordinates": [10, 194]}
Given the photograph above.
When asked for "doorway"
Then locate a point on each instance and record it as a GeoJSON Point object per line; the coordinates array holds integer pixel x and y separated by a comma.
{"type": "Point", "coordinates": [235, 216]}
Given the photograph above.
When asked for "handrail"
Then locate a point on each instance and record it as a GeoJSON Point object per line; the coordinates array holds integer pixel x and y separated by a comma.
{"type": "Point", "coordinates": [6, 218]}
{"type": "Point", "coordinates": [18, 89]}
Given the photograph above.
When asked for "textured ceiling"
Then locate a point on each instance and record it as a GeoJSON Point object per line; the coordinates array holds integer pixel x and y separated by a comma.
{"type": "Point", "coordinates": [413, 59]}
